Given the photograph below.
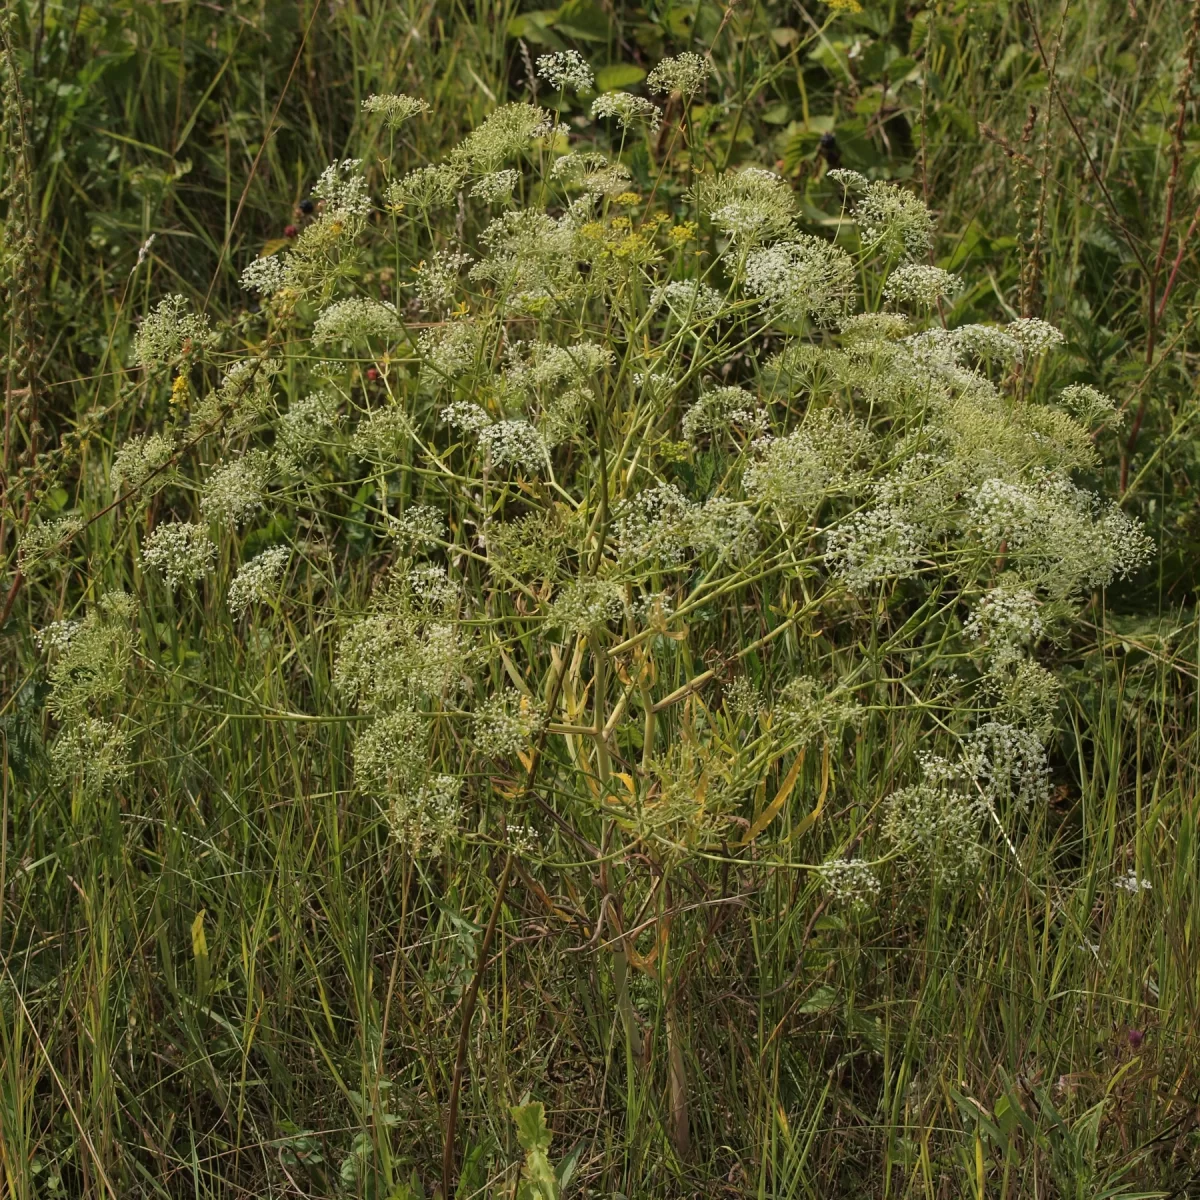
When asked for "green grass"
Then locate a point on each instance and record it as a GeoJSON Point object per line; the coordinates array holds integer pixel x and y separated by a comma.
{"type": "Point", "coordinates": [222, 978]}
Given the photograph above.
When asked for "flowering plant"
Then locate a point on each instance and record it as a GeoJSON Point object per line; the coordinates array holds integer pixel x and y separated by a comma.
{"type": "Point", "coordinates": [658, 497]}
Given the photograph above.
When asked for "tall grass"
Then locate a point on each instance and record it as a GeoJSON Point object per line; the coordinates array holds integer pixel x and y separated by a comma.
{"type": "Point", "coordinates": [221, 976]}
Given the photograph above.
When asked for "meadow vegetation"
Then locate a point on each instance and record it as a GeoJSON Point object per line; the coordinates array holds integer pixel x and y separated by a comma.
{"type": "Point", "coordinates": [600, 601]}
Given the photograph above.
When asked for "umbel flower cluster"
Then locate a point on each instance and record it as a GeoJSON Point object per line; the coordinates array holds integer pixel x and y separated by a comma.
{"type": "Point", "coordinates": [653, 481]}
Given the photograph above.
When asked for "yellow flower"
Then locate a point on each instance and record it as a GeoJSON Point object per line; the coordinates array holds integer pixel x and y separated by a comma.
{"type": "Point", "coordinates": [683, 232]}
{"type": "Point", "coordinates": [851, 6]}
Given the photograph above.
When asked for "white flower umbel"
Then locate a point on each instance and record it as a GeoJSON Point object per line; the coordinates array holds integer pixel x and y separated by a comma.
{"type": "Point", "coordinates": [342, 188]}
{"type": "Point", "coordinates": [1058, 533]}
{"type": "Point", "coordinates": [893, 221]}
{"type": "Point", "coordinates": [804, 277]}
{"type": "Point", "coordinates": [505, 724]}
{"type": "Point", "coordinates": [395, 109]}
{"type": "Point", "coordinates": [497, 186]}
{"type": "Point", "coordinates": [1036, 336]}
{"type": "Point", "coordinates": [450, 350]}
{"type": "Point", "coordinates": [437, 280]}
{"type": "Point", "coordinates": [308, 424]}
{"type": "Point", "coordinates": [257, 580]}
{"type": "Point", "coordinates": [390, 754]}
{"type": "Point", "coordinates": [723, 408]}
{"type": "Point", "coordinates": [1132, 883]}
{"type": "Point", "coordinates": [920, 285]}
{"type": "Point", "coordinates": [1090, 405]}
{"type": "Point", "coordinates": [936, 826]}
{"type": "Point", "coordinates": [850, 882]}
{"type": "Point", "coordinates": [1007, 620]}
{"type": "Point", "coordinates": [686, 74]}
{"type": "Point", "coordinates": [751, 206]}
{"type": "Point", "coordinates": [794, 474]}
{"type": "Point", "coordinates": [46, 540]}
{"type": "Point", "coordinates": [417, 528]}
{"type": "Point", "coordinates": [585, 604]}
{"type": "Point", "coordinates": [507, 132]}
{"type": "Point", "coordinates": [141, 461]}
{"type": "Point", "coordinates": [266, 275]}
{"type": "Point", "coordinates": [513, 444]}
{"type": "Point", "coordinates": [689, 300]}
{"type": "Point", "coordinates": [91, 753]}
{"type": "Point", "coordinates": [235, 490]}
{"type": "Point", "coordinates": [170, 331]}
{"type": "Point", "coordinates": [426, 188]}
{"type": "Point", "coordinates": [180, 551]}
{"type": "Point", "coordinates": [356, 320]}
{"type": "Point", "coordinates": [655, 524]}
{"type": "Point", "coordinates": [628, 110]}
{"type": "Point", "coordinates": [873, 547]}
{"type": "Point", "coordinates": [424, 820]}
{"type": "Point", "coordinates": [566, 69]}
{"type": "Point", "coordinates": [1009, 766]}
{"type": "Point", "coordinates": [808, 712]}
{"type": "Point", "coordinates": [989, 343]}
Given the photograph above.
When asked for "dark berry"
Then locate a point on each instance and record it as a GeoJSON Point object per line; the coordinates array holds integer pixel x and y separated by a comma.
{"type": "Point", "coordinates": [372, 374]}
{"type": "Point", "coordinates": [290, 231]}
{"type": "Point", "coordinates": [306, 207]}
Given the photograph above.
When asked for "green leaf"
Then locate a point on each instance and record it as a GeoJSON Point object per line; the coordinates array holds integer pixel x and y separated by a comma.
{"type": "Point", "coordinates": [583, 19]}
{"type": "Point", "coordinates": [532, 1133]}
{"type": "Point", "coordinates": [619, 75]}
{"type": "Point", "coordinates": [822, 1000]}
{"type": "Point", "coordinates": [535, 27]}
{"type": "Point", "coordinates": [566, 1169]}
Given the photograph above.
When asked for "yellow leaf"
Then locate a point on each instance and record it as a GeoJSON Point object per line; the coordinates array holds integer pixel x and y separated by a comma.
{"type": "Point", "coordinates": [815, 815]}
{"type": "Point", "coordinates": [772, 810]}
{"type": "Point", "coordinates": [199, 941]}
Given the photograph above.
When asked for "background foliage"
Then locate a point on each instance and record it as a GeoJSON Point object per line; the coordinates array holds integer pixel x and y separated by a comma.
{"type": "Point", "coordinates": [215, 985]}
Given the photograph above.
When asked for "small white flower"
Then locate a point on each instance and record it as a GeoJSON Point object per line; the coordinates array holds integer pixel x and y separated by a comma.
{"type": "Point", "coordinates": [804, 277]}
{"type": "Point", "coordinates": [464, 415]}
{"type": "Point", "coordinates": [585, 604]}
{"type": "Point", "coordinates": [894, 221]}
{"type": "Point", "coordinates": [140, 459]}
{"type": "Point", "coordinates": [417, 528]}
{"type": "Point", "coordinates": [505, 724]}
{"type": "Point", "coordinates": [1132, 883]}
